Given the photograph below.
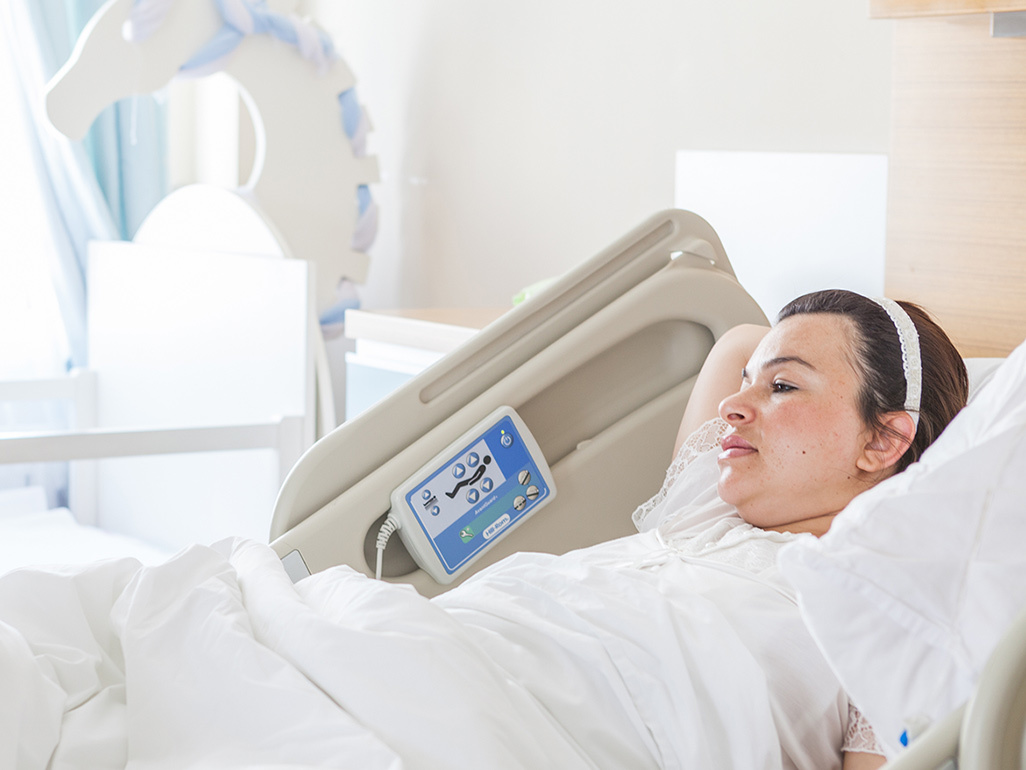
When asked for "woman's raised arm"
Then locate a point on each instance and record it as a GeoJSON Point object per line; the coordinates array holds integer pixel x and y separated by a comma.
{"type": "Point", "coordinates": [858, 760]}
{"type": "Point", "coordinates": [720, 377]}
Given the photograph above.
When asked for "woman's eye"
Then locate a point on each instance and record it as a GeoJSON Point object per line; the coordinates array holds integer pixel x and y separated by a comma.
{"type": "Point", "coordinates": [782, 387]}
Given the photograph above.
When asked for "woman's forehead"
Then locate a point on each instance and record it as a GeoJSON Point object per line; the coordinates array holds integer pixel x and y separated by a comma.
{"type": "Point", "coordinates": [820, 340]}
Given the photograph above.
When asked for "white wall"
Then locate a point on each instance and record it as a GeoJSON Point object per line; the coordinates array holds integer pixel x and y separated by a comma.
{"type": "Point", "coordinates": [516, 139]}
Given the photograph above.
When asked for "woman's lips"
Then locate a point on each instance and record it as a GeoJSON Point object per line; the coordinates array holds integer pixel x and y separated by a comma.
{"type": "Point", "coordinates": [734, 446]}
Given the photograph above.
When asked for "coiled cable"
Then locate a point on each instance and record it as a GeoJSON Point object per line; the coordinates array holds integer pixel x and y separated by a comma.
{"type": "Point", "coordinates": [387, 529]}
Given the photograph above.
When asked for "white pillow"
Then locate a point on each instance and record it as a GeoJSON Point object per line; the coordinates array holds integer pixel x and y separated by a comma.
{"type": "Point", "coordinates": [919, 577]}
{"type": "Point", "coordinates": [20, 501]}
{"type": "Point", "coordinates": [981, 371]}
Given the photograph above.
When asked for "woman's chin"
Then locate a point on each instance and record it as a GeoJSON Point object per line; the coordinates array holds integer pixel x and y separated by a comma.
{"type": "Point", "coordinates": [727, 488]}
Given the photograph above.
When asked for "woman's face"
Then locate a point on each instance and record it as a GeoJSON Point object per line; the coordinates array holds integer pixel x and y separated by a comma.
{"type": "Point", "coordinates": [797, 431]}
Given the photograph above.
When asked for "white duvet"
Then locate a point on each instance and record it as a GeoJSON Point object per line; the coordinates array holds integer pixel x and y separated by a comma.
{"type": "Point", "coordinates": [215, 659]}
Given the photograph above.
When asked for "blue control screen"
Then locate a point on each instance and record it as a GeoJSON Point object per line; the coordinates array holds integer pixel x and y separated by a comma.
{"type": "Point", "coordinates": [473, 498]}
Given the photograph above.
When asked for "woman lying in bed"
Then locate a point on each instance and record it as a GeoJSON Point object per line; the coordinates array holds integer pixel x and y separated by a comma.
{"type": "Point", "coordinates": [783, 429]}
{"type": "Point", "coordinates": [842, 393]}
{"type": "Point", "coordinates": [681, 646]}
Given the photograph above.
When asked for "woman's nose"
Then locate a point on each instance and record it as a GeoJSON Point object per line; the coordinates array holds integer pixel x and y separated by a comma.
{"type": "Point", "coordinates": [736, 409]}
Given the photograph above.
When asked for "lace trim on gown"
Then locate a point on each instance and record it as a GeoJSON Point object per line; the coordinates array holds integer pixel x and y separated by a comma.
{"type": "Point", "coordinates": [860, 735]}
{"type": "Point", "coordinates": [704, 438]}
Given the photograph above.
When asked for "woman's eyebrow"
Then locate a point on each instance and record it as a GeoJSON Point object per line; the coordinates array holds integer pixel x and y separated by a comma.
{"type": "Point", "coordinates": [776, 362]}
{"type": "Point", "coordinates": [787, 360]}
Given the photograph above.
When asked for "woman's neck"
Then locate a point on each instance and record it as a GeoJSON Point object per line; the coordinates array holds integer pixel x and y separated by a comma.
{"type": "Point", "coordinates": [817, 525]}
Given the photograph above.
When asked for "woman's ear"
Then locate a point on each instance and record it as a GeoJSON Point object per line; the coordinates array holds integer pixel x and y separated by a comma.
{"type": "Point", "coordinates": [889, 442]}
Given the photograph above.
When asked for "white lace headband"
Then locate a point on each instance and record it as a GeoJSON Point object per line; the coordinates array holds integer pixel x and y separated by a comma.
{"type": "Point", "coordinates": [911, 359]}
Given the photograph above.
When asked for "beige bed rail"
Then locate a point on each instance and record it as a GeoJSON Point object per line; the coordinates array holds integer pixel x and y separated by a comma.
{"type": "Point", "coordinates": [988, 732]}
{"type": "Point", "coordinates": [599, 365]}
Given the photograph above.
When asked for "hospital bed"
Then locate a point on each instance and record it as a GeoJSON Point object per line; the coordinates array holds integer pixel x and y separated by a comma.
{"type": "Point", "coordinates": [599, 366]}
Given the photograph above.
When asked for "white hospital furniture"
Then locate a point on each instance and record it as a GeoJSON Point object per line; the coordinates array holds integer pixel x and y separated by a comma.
{"type": "Point", "coordinates": [203, 358]}
{"type": "Point", "coordinates": [307, 197]}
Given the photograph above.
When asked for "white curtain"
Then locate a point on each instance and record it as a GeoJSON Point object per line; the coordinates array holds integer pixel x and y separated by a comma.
{"type": "Point", "coordinates": [56, 196]}
{"type": "Point", "coordinates": [33, 339]}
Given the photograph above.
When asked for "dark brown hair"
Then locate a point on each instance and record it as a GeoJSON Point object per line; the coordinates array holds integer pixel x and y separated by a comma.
{"type": "Point", "coordinates": [877, 348]}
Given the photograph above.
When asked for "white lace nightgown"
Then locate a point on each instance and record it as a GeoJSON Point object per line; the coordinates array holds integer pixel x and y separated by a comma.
{"type": "Point", "coordinates": [681, 646]}
{"type": "Point", "coordinates": [704, 522]}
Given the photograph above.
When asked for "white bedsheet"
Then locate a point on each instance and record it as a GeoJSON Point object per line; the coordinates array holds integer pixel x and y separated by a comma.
{"type": "Point", "coordinates": [54, 537]}
{"type": "Point", "coordinates": [31, 535]}
{"type": "Point", "coordinates": [214, 659]}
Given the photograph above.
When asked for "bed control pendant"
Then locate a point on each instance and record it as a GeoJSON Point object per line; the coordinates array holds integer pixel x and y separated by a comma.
{"type": "Point", "coordinates": [480, 488]}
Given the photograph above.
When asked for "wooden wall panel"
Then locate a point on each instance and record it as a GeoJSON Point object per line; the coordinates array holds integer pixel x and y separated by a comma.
{"type": "Point", "coordinates": [883, 9]}
{"type": "Point", "coordinates": [956, 231]}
